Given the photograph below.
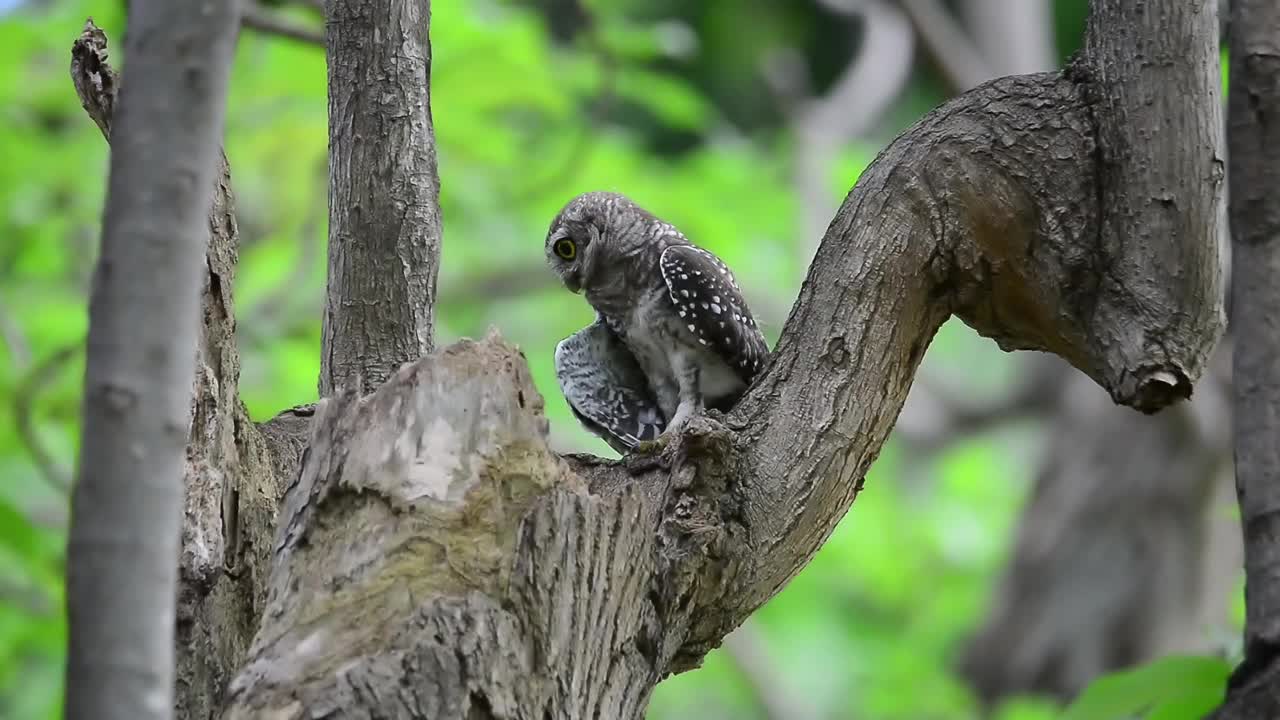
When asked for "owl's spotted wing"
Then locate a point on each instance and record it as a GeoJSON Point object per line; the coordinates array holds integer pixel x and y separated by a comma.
{"type": "Point", "coordinates": [711, 305]}
{"type": "Point", "coordinates": [606, 389]}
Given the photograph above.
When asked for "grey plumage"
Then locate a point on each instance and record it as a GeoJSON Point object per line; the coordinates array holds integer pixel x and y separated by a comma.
{"type": "Point", "coordinates": [606, 389]}
{"type": "Point", "coordinates": [672, 331]}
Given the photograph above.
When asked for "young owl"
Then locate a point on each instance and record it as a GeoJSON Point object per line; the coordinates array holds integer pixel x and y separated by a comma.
{"type": "Point", "coordinates": [672, 335]}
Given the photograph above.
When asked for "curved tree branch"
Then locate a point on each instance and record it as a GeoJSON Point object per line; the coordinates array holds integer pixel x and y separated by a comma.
{"type": "Point", "coordinates": [57, 476]}
{"type": "Point", "coordinates": [863, 91]}
{"type": "Point", "coordinates": [1012, 37]}
{"type": "Point", "coordinates": [960, 61]}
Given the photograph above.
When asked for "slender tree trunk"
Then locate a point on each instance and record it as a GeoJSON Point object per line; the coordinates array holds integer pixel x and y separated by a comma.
{"type": "Point", "coordinates": [126, 509]}
{"type": "Point", "coordinates": [433, 559]}
{"type": "Point", "coordinates": [1254, 141]}
{"type": "Point", "coordinates": [384, 212]}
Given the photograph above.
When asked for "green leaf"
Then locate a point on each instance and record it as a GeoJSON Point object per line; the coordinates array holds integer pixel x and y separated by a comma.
{"type": "Point", "coordinates": [1173, 688]}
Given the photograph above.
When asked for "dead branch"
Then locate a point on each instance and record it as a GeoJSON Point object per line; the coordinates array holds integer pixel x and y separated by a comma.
{"type": "Point", "coordinates": [37, 380]}
{"type": "Point", "coordinates": [956, 55]}
{"type": "Point", "coordinates": [256, 17]}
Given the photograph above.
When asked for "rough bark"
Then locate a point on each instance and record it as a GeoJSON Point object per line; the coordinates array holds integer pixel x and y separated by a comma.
{"type": "Point", "coordinates": [1254, 143]}
{"type": "Point", "coordinates": [434, 559]}
{"type": "Point", "coordinates": [121, 575]}
{"type": "Point", "coordinates": [384, 213]}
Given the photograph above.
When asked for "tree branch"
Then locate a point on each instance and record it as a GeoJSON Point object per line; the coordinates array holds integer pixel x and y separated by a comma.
{"type": "Point", "coordinates": [55, 474]}
{"type": "Point", "coordinates": [384, 213]}
{"type": "Point", "coordinates": [258, 18]}
{"type": "Point", "coordinates": [141, 356]}
{"type": "Point", "coordinates": [860, 95]}
{"type": "Point", "coordinates": [1108, 566]}
{"type": "Point", "coordinates": [958, 58]}
{"type": "Point", "coordinates": [1012, 37]}
{"type": "Point", "coordinates": [13, 339]}
{"type": "Point", "coordinates": [746, 645]}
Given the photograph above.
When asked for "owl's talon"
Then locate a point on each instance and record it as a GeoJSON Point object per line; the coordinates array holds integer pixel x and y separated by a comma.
{"type": "Point", "coordinates": [648, 454]}
{"type": "Point", "coordinates": [651, 447]}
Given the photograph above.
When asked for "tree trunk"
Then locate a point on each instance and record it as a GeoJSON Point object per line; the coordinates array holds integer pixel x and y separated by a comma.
{"type": "Point", "coordinates": [1254, 141]}
{"type": "Point", "coordinates": [384, 211]}
{"type": "Point", "coordinates": [1115, 561]}
{"type": "Point", "coordinates": [433, 559]}
{"type": "Point", "coordinates": [121, 574]}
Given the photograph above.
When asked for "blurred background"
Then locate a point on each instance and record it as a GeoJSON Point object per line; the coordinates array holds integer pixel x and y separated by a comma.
{"type": "Point", "coordinates": [1019, 535]}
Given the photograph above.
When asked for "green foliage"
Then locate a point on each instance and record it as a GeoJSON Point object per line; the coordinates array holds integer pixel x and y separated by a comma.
{"type": "Point", "coordinates": [869, 629]}
{"type": "Point", "coordinates": [1172, 688]}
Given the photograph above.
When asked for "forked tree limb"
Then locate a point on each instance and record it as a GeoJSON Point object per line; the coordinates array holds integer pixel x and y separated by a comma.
{"type": "Point", "coordinates": [435, 559]}
{"type": "Point", "coordinates": [1022, 207]}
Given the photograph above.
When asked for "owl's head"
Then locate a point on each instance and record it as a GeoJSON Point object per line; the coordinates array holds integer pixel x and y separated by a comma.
{"type": "Point", "coordinates": [590, 235]}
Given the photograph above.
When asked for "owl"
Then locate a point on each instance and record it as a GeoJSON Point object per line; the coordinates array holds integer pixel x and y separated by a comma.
{"type": "Point", "coordinates": [672, 335]}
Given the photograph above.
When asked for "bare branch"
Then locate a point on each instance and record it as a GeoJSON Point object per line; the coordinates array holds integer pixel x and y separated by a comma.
{"type": "Point", "coordinates": [258, 18]}
{"type": "Point", "coordinates": [931, 418]}
{"type": "Point", "coordinates": [14, 339]}
{"type": "Point", "coordinates": [960, 61]}
{"type": "Point", "coordinates": [749, 650]}
{"type": "Point", "coordinates": [57, 475]}
{"type": "Point", "coordinates": [96, 83]}
{"type": "Point", "coordinates": [1107, 566]}
{"type": "Point", "coordinates": [860, 95]}
{"type": "Point", "coordinates": [1012, 37]}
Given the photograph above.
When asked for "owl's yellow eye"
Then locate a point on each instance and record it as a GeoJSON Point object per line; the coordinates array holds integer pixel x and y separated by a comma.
{"type": "Point", "coordinates": [566, 249]}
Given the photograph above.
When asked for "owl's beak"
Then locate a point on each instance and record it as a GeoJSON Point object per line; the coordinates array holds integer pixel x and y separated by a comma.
{"type": "Point", "coordinates": [573, 282]}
